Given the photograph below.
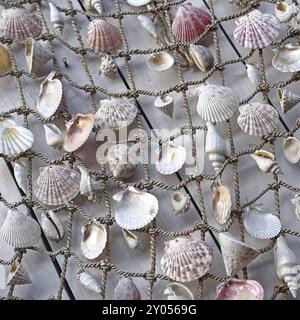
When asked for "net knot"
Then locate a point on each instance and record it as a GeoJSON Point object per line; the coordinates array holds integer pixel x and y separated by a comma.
{"type": "Point", "coordinates": [89, 89]}
{"type": "Point", "coordinates": [70, 12]}
{"type": "Point", "coordinates": [149, 277]}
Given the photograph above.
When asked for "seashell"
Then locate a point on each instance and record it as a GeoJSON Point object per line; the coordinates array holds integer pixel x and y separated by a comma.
{"type": "Point", "coordinates": [202, 57]}
{"type": "Point", "coordinates": [148, 25]}
{"type": "Point", "coordinates": [138, 3]}
{"type": "Point", "coordinates": [253, 74]}
{"type": "Point", "coordinates": [115, 113]}
{"type": "Point", "coordinates": [88, 281]}
{"type": "Point", "coordinates": [94, 5]}
{"type": "Point", "coordinates": [181, 202]}
{"type": "Point", "coordinates": [3, 277]}
{"type": "Point", "coordinates": [240, 289]}
{"type": "Point", "coordinates": [52, 226]}
{"type": "Point", "coordinates": [19, 230]}
{"type": "Point", "coordinates": [165, 103]}
{"type": "Point", "coordinates": [37, 54]}
{"type": "Point", "coordinates": [256, 30]}
{"type": "Point", "coordinates": [257, 119]}
{"type": "Point", "coordinates": [261, 225]}
{"type": "Point", "coordinates": [296, 202]}
{"type": "Point", "coordinates": [108, 67]}
{"type": "Point", "coordinates": [178, 291]}
{"type": "Point", "coordinates": [287, 58]}
{"type": "Point", "coordinates": [135, 209]}
{"type": "Point", "coordinates": [215, 147]}
{"type": "Point", "coordinates": [78, 131]}
{"type": "Point", "coordinates": [236, 254]}
{"type": "Point", "coordinates": [286, 265]}
{"type": "Point", "coordinates": [189, 22]}
{"type": "Point", "coordinates": [50, 95]}
{"type": "Point", "coordinates": [53, 135]}
{"type": "Point", "coordinates": [221, 201]}
{"type": "Point", "coordinates": [291, 149]}
{"type": "Point", "coordinates": [216, 103]}
{"type": "Point", "coordinates": [17, 23]}
{"type": "Point", "coordinates": [132, 239]}
{"type": "Point", "coordinates": [160, 61]}
{"type": "Point", "coordinates": [56, 18]}
{"type": "Point", "coordinates": [288, 100]}
{"type": "Point", "coordinates": [239, 3]}
{"type": "Point", "coordinates": [21, 173]}
{"type": "Point", "coordinates": [102, 36]}
{"type": "Point", "coordinates": [17, 275]}
{"type": "Point", "coordinates": [284, 11]}
{"type": "Point", "coordinates": [170, 158]}
{"type": "Point", "coordinates": [186, 259]}
{"type": "Point", "coordinates": [93, 240]}
{"type": "Point", "coordinates": [5, 60]}
{"type": "Point", "coordinates": [126, 290]}
{"type": "Point", "coordinates": [266, 161]}
{"type": "Point", "coordinates": [56, 185]}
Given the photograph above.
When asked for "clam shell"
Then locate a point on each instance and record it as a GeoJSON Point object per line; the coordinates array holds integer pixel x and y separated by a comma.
{"type": "Point", "coordinates": [178, 291]}
{"type": "Point", "coordinates": [291, 149]}
{"type": "Point", "coordinates": [56, 185]}
{"type": "Point", "coordinates": [108, 67]}
{"type": "Point", "coordinates": [257, 119]}
{"type": "Point", "coordinates": [135, 208]}
{"type": "Point", "coordinates": [138, 3]}
{"type": "Point", "coordinates": [202, 57]}
{"type": "Point", "coordinates": [287, 58]}
{"type": "Point", "coordinates": [52, 226]}
{"type": "Point", "coordinates": [160, 61]}
{"type": "Point", "coordinates": [165, 104]}
{"type": "Point", "coordinates": [93, 240]}
{"type": "Point", "coordinates": [181, 202]}
{"type": "Point", "coordinates": [216, 103]}
{"type": "Point", "coordinates": [131, 239]}
{"type": "Point", "coordinates": [284, 11]}
{"type": "Point", "coordinates": [266, 161]}
{"type": "Point", "coordinates": [186, 259]}
{"type": "Point", "coordinates": [221, 201]}
{"type": "Point", "coordinates": [88, 281]}
{"type": "Point", "coordinates": [17, 275]}
{"type": "Point", "coordinates": [5, 60]}
{"type": "Point", "coordinates": [19, 230]}
{"type": "Point", "coordinates": [288, 100]}
{"type": "Point", "coordinates": [53, 135]}
{"type": "Point", "coordinates": [20, 173]}
{"type": "Point", "coordinates": [56, 18]}
{"type": "Point", "coordinates": [126, 290]}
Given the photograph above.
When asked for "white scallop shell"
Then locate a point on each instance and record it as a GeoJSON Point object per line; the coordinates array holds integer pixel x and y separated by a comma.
{"type": "Point", "coordinates": [266, 161]}
{"type": "Point", "coordinates": [88, 281]}
{"type": "Point", "coordinates": [52, 226]}
{"type": "Point", "coordinates": [221, 201]}
{"type": "Point", "coordinates": [135, 208]}
{"type": "Point", "coordinates": [126, 290]}
{"type": "Point", "coordinates": [178, 291]}
{"type": "Point", "coordinates": [287, 58]}
{"type": "Point", "coordinates": [17, 275]}
{"type": "Point", "coordinates": [56, 18]}
{"type": "Point", "coordinates": [160, 61]}
{"type": "Point", "coordinates": [131, 239]}
{"type": "Point", "coordinates": [138, 3]}
{"type": "Point", "coordinates": [291, 149]}
{"type": "Point", "coordinates": [181, 202]}
{"type": "Point", "coordinates": [53, 135]}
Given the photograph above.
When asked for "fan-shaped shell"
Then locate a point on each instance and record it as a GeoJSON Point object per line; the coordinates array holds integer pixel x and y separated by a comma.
{"type": "Point", "coordinates": [5, 60]}
{"type": "Point", "coordinates": [256, 30]}
{"type": "Point", "coordinates": [56, 185]}
{"type": "Point", "coordinates": [138, 3]}
{"type": "Point", "coordinates": [291, 149]}
{"type": "Point", "coordinates": [287, 58]}
{"type": "Point", "coordinates": [202, 57]}
{"type": "Point", "coordinates": [216, 103]}
{"type": "Point", "coordinates": [178, 291]}
{"type": "Point", "coordinates": [190, 22]}
{"type": "Point", "coordinates": [257, 119]}
{"type": "Point", "coordinates": [221, 201]}
{"type": "Point", "coordinates": [102, 36]}
{"type": "Point", "coordinates": [186, 259]}
{"type": "Point", "coordinates": [126, 290]}
{"type": "Point", "coordinates": [19, 230]}
{"type": "Point", "coordinates": [160, 61]}
{"type": "Point", "coordinates": [135, 208]}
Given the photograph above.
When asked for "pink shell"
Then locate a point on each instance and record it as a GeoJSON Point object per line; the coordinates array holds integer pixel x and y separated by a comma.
{"type": "Point", "coordinates": [237, 289]}
{"type": "Point", "coordinates": [103, 36]}
{"type": "Point", "coordinates": [189, 22]}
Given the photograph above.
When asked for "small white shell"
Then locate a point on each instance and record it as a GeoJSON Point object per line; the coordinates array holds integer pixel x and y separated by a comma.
{"type": "Point", "coordinates": [17, 275]}
{"type": "Point", "coordinates": [253, 73]}
{"type": "Point", "coordinates": [287, 58]}
{"type": "Point", "coordinates": [52, 226]}
{"type": "Point", "coordinates": [131, 238]}
{"type": "Point", "coordinates": [165, 104]}
{"type": "Point", "coordinates": [288, 100]}
{"type": "Point", "coordinates": [160, 61]}
{"type": "Point", "coordinates": [265, 160]}
{"type": "Point", "coordinates": [148, 25]}
{"type": "Point", "coordinates": [88, 281]}
{"type": "Point", "coordinates": [202, 57]}
{"type": "Point", "coordinates": [56, 18]}
{"type": "Point", "coordinates": [138, 3]}
{"type": "Point", "coordinates": [181, 202]}
{"type": "Point", "coordinates": [284, 11]}
{"type": "Point", "coordinates": [53, 135]}
{"type": "Point", "coordinates": [95, 5]}
{"type": "Point", "coordinates": [221, 201]}
{"type": "Point", "coordinates": [291, 149]}
{"type": "Point", "coordinates": [178, 291]}
{"type": "Point", "coordinates": [108, 67]}
{"type": "Point", "coordinates": [20, 173]}
{"type": "Point", "coordinates": [126, 290]}
{"type": "Point", "coordinates": [296, 202]}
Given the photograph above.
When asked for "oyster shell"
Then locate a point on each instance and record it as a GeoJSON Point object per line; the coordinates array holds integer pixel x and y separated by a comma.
{"type": "Point", "coordinates": [52, 226]}
{"type": "Point", "coordinates": [221, 201]}
{"type": "Point", "coordinates": [126, 290]}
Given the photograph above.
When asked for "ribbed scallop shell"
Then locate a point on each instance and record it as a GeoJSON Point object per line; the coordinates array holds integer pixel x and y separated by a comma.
{"type": "Point", "coordinates": [287, 58]}
{"type": "Point", "coordinates": [5, 60]}
{"type": "Point", "coordinates": [138, 3]}
{"type": "Point", "coordinates": [256, 30]}
{"type": "Point", "coordinates": [126, 290]}
{"type": "Point", "coordinates": [221, 201]}
{"type": "Point", "coordinates": [56, 185]}
{"type": "Point", "coordinates": [257, 119]}
{"type": "Point", "coordinates": [186, 259]}
{"type": "Point", "coordinates": [19, 24]}
{"type": "Point", "coordinates": [102, 36]}
{"type": "Point", "coordinates": [216, 103]}
{"type": "Point", "coordinates": [135, 208]}
{"type": "Point", "coordinates": [19, 230]}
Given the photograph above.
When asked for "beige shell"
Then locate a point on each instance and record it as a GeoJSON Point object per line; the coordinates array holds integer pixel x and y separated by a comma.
{"type": "Point", "coordinates": [20, 230]}
{"type": "Point", "coordinates": [88, 281]}
{"type": "Point", "coordinates": [148, 25]}
{"type": "Point", "coordinates": [288, 100]}
{"type": "Point", "coordinates": [253, 73]}
{"type": "Point", "coordinates": [265, 161]}
{"type": "Point", "coordinates": [5, 60]}
{"type": "Point", "coordinates": [17, 275]}
{"type": "Point", "coordinates": [236, 254]}
{"type": "Point", "coordinates": [160, 61]}
{"type": "Point", "coordinates": [296, 202]}
{"type": "Point", "coordinates": [291, 149]}
{"type": "Point", "coordinates": [21, 173]}
{"type": "Point", "coordinates": [284, 11]}
{"type": "Point", "coordinates": [53, 135]}
{"type": "Point", "coordinates": [126, 290]}
{"type": "Point", "coordinates": [181, 202]}
{"type": "Point", "coordinates": [52, 226]}
{"type": "Point", "coordinates": [221, 201]}
{"type": "Point", "coordinates": [287, 58]}
{"type": "Point", "coordinates": [56, 18]}
{"type": "Point", "coordinates": [202, 57]}
{"type": "Point", "coordinates": [94, 5]}
{"type": "Point", "coordinates": [165, 104]}
{"type": "Point", "coordinates": [178, 291]}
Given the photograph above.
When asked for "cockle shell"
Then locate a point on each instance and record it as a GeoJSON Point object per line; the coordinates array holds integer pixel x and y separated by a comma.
{"type": "Point", "coordinates": [240, 289]}
{"type": "Point", "coordinates": [265, 160]}
{"type": "Point", "coordinates": [253, 74]}
{"type": "Point", "coordinates": [296, 202]}
{"type": "Point", "coordinates": [148, 25]}
{"type": "Point", "coordinates": [291, 149]}
{"type": "Point", "coordinates": [216, 103]}
{"type": "Point", "coordinates": [202, 57]}
{"type": "Point", "coordinates": [94, 5]}
{"type": "Point", "coordinates": [284, 11]}
{"type": "Point", "coordinates": [131, 239]}
{"type": "Point", "coordinates": [17, 275]}
{"type": "Point", "coordinates": [135, 208]}
{"type": "Point", "coordinates": [256, 30]}
{"type": "Point", "coordinates": [17, 23]}
{"type": "Point", "coordinates": [236, 254]}
{"type": "Point", "coordinates": [288, 100]}
{"type": "Point", "coordinates": [88, 281]}
{"type": "Point", "coordinates": [287, 58]}
{"type": "Point", "coordinates": [178, 291]}
{"type": "Point", "coordinates": [53, 135]}
{"type": "Point", "coordinates": [189, 22]}
{"type": "Point", "coordinates": [186, 259]}
{"type": "Point", "coordinates": [221, 201]}
{"type": "Point", "coordinates": [56, 185]}
{"type": "Point", "coordinates": [20, 230]}
{"type": "Point", "coordinates": [138, 3]}
{"type": "Point", "coordinates": [93, 240]}
{"type": "Point", "coordinates": [50, 95]}
{"type": "Point", "coordinates": [160, 61]}
{"type": "Point", "coordinates": [126, 290]}
{"type": "Point", "coordinates": [257, 119]}
{"type": "Point", "coordinates": [102, 36]}
{"type": "Point", "coordinates": [165, 104]}
{"type": "Point", "coordinates": [169, 158]}
{"type": "Point", "coordinates": [52, 226]}
{"type": "Point", "coordinates": [56, 18]}
{"type": "Point", "coordinates": [108, 67]}
{"type": "Point", "coordinates": [181, 202]}
{"type": "Point", "coordinates": [5, 59]}
{"type": "Point", "coordinates": [21, 173]}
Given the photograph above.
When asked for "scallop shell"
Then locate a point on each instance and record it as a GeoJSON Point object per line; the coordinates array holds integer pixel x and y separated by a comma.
{"type": "Point", "coordinates": [202, 57]}
{"type": "Point", "coordinates": [266, 161]}
{"type": "Point", "coordinates": [221, 201]}
{"type": "Point", "coordinates": [148, 25]}
{"type": "Point", "coordinates": [138, 3]}
{"type": "Point", "coordinates": [21, 173]}
{"type": "Point", "coordinates": [216, 103]}
{"type": "Point", "coordinates": [253, 74]}
{"type": "Point", "coordinates": [257, 119]}
{"type": "Point", "coordinates": [50, 95]}
{"type": "Point", "coordinates": [240, 289]}
{"type": "Point", "coordinates": [160, 61]}
{"type": "Point", "coordinates": [291, 149]}
{"type": "Point", "coordinates": [288, 100]}
{"type": "Point", "coordinates": [53, 135]}
{"type": "Point", "coordinates": [296, 202]}
{"type": "Point", "coordinates": [5, 60]}
{"type": "Point", "coordinates": [94, 5]}
{"type": "Point", "coordinates": [88, 281]}
{"type": "Point", "coordinates": [108, 67]}
{"type": "Point", "coordinates": [284, 11]}
{"type": "Point", "coordinates": [135, 208]}
{"type": "Point", "coordinates": [287, 58]}
{"type": "Point", "coordinates": [115, 113]}
{"type": "Point", "coordinates": [19, 230]}
{"type": "Point", "coordinates": [181, 202]}
{"type": "Point", "coordinates": [256, 30]}
{"type": "Point", "coordinates": [102, 36]}
{"type": "Point", "coordinates": [165, 104]}
{"type": "Point", "coordinates": [52, 226]}
{"type": "Point", "coordinates": [186, 259]}
{"type": "Point", "coordinates": [17, 23]}
{"type": "Point", "coordinates": [56, 185]}
{"type": "Point", "coordinates": [126, 290]}
{"type": "Point", "coordinates": [178, 291]}
{"type": "Point", "coordinates": [189, 22]}
{"type": "Point", "coordinates": [131, 239]}
{"type": "Point", "coordinates": [56, 18]}
{"type": "Point", "coordinates": [17, 275]}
